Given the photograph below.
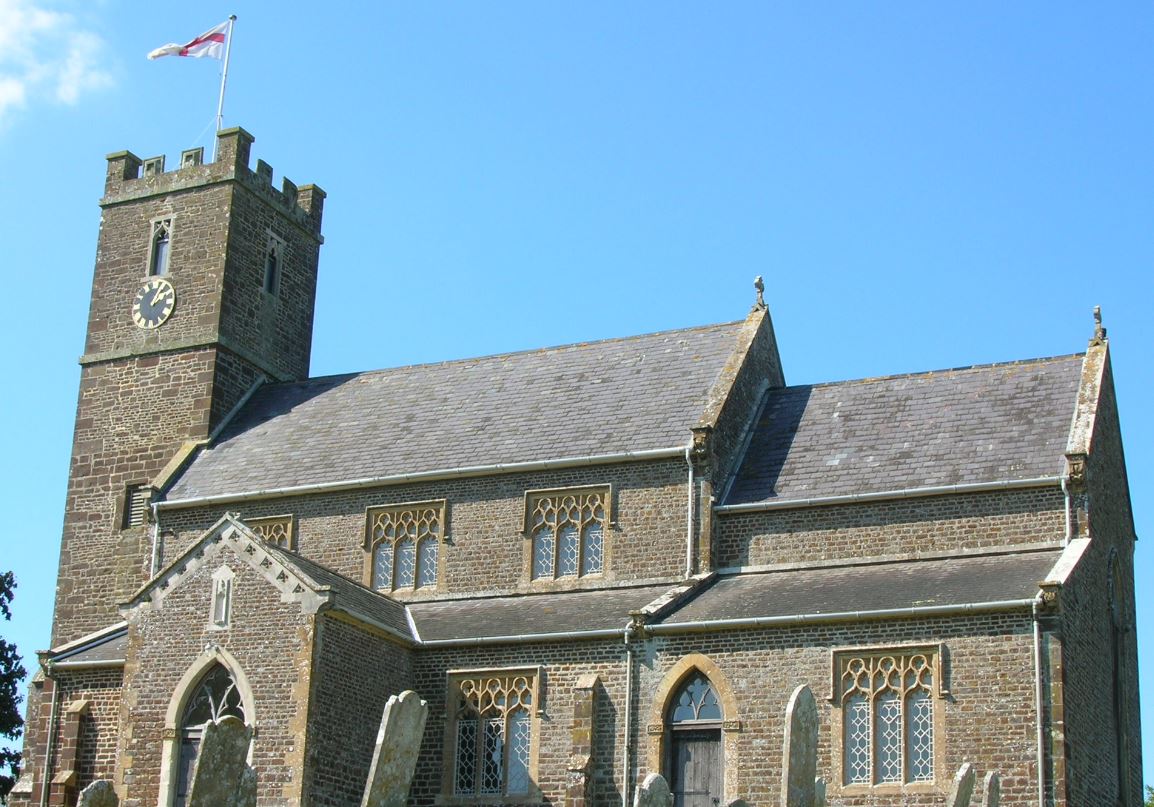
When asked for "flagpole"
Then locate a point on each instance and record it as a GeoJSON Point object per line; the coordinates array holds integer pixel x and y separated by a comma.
{"type": "Point", "coordinates": [223, 82]}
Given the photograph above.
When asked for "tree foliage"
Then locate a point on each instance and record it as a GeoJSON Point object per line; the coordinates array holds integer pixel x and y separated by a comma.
{"type": "Point", "coordinates": [11, 674]}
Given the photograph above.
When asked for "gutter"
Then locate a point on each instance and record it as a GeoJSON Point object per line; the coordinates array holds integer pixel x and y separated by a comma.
{"type": "Point", "coordinates": [426, 476]}
{"type": "Point", "coordinates": [884, 495]}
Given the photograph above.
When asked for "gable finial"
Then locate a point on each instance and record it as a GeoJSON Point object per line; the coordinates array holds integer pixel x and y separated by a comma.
{"type": "Point", "coordinates": [1099, 331]}
{"type": "Point", "coordinates": [759, 284]}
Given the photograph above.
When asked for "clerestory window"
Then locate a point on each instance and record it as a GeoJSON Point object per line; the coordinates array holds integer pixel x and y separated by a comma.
{"type": "Point", "coordinates": [888, 703]}
{"type": "Point", "coordinates": [492, 733]}
{"type": "Point", "coordinates": [402, 542]}
{"type": "Point", "coordinates": [276, 530]}
{"type": "Point", "coordinates": [566, 531]}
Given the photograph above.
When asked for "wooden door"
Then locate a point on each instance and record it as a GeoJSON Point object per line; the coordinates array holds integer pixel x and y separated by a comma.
{"type": "Point", "coordinates": [695, 774]}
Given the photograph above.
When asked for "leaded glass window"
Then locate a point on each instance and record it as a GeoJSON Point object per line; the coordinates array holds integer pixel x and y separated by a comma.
{"type": "Point", "coordinates": [403, 542]}
{"type": "Point", "coordinates": [567, 529]}
{"type": "Point", "coordinates": [159, 247]}
{"type": "Point", "coordinates": [493, 732]}
{"type": "Point", "coordinates": [887, 702]}
{"type": "Point", "coordinates": [696, 702]}
{"type": "Point", "coordinates": [214, 698]}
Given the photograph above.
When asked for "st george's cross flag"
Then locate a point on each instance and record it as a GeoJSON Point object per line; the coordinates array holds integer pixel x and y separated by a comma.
{"type": "Point", "coordinates": [210, 43]}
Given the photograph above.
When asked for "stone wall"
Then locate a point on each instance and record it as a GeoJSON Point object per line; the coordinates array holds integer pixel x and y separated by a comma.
{"type": "Point", "coordinates": [890, 528]}
{"type": "Point", "coordinates": [355, 670]}
{"type": "Point", "coordinates": [486, 551]}
{"type": "Point", "coordinates": [1088, 630]}
{"type": "Point", "coordinates": [269, 640]}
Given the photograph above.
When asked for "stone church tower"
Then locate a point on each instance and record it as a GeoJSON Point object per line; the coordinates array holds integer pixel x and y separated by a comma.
{"type": "Point", "coordinates": [228, 264]}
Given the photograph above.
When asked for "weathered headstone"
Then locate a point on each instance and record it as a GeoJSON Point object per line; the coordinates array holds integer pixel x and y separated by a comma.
{"type": "Point", "coordinates": [653, 792]}
{"type": "Point", "coordinates": [737, 803]}
{"type": "Point", "coordinates": [222, 777]}
{"type": "Point", "coordinates": [99, 794]}
{"type": "Point", "coordinates": [395, 756]}
{"type": "Point", "coordinates": [963, 788]}
{"type": "Point", "coordinates": [799, 756]}
{"type": "Point", "coordinates": [991, 790]}
{"type": "Point", "coordinates": [819, 792]}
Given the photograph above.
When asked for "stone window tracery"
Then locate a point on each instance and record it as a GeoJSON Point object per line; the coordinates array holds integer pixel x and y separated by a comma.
{"type": "Point", "coordinates": [566, 529]}
{"type": "Point", "coordinates": [887, 701]}
{"type": "Point", "coordinates": [276, 530]}
{"type": "Point", "coordinates": [403, 545]}
{"type": "Point", "coordinates": [491, 733]}
{"type": "Point", "coordinates": [215, 697]}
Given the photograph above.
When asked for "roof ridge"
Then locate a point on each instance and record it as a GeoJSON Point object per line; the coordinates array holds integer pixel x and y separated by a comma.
{"type": "Point", "coordinates": [526, 351]}
{"type": "Point", "coordinates": [943, 370]}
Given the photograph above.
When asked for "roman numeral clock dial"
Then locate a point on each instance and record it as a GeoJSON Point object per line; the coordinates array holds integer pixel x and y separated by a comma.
{"type": "Point", "coordinates": [153, 304]}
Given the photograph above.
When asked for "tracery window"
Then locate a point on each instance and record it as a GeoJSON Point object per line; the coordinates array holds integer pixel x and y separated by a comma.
{"type": "Point", "coordinates": [403, 542]}
{"type": "Point", "coordinates": [567, 531]}
{"type": "Point", "coordinates": [491, 732]}
{"type": "Point", "coordinates": [276, 530]}
{"type": "Point", "coordinates": [159, 247]}
{"type": "Point", "coordinates": [214, 697]}
{"type": "Point", "coordinates": [887, 701]}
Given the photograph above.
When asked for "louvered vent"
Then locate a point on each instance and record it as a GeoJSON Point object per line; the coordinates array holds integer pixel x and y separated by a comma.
{"type": "Point", "coordinates": [136, 502]}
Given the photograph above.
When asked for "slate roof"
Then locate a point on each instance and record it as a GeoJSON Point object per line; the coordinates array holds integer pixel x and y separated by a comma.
{"type": "Point", "coordinates": [350, 595]}
{"type": "Point", "coordinates": [597, 609]}
{"type": "Point", "coordinates": [849, 589]}
{"type": "Point", "coordinates": [978, 424]}
{"type": "Point", "coordinates": [633, 394]}
{"type": "Point", "coordinates": [107, 649]}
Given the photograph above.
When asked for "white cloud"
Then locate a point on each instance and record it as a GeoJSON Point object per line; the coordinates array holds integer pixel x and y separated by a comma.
{"type": "Point", "coordinates": [45, 54]}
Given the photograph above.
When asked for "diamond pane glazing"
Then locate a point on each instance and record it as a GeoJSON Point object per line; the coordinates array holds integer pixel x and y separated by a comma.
{"type": "Point", "coordinates": [406, 563]}
{"type": "Point", "coordinates": [383, 567]}
{"type": "Point", "coordinates": [493, 757]}
{"type": "Point", "coordinates": [519, 744]}
{"type": "Point", "coordinates": [591, 550]}
{"type": "Point", "coordinates": [427, 563]}
{"type": "Point", "coordinates": [465, 782]}
{"type": "Point", "coordinates": [567, 549]}
{"type": "Point", "coordinates": [920, 736]}
{"type": "Point", "coordinates": [543, 553]}
{"type": "Point", "coordinates": [857, 740]}
{"type": "Point", "coordinates": [888, 730]}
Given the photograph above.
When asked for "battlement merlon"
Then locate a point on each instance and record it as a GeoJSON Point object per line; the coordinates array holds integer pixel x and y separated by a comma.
{"type": "Point", "coordinates": [125, 182]}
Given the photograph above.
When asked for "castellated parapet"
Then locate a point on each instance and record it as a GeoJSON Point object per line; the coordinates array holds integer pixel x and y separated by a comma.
{"type": "Point", "coordinates": [131, 178]}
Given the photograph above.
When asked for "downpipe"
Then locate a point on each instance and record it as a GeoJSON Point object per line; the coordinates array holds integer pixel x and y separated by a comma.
{"type": "Point", "coordinates": [626, 753]}
{"type": "Point", "coordinates": [1041, 749]}
{"type": "Point", "coordinates": [689, 514]}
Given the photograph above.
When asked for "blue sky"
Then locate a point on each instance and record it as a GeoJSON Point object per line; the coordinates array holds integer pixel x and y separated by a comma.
{"type": "Point", "coordinates": [922, 186]}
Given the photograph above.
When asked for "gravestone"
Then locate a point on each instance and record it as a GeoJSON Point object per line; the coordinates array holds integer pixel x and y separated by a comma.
{"type": "Point", "coordinates": [99, 794]}
{"type": "Point", "coordinates": [819, 792]}
{"type": "Point", "coordinates": [737, 803]}
{"type": "Point", "coordinates": [395, 756]}
{"type": "Point", "coordinates": [963, 787]}
{"type": "Point", "coordinates": [222, 777]}
{"type": "Point", "coordinates": [653, 792]}
{"type": "Point", "coordinates": [799, 756]}
{"type": "Point", "coordinates": [991, 790]}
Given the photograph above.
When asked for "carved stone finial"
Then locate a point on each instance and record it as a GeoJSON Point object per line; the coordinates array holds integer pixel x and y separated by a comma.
{"type": "Point", "coordinates": [1099, 331]}
{"type": "Point", "coordinates": [759, 284]}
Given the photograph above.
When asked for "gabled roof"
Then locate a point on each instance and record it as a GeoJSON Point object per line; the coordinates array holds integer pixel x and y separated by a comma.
{"type": "Point", "coordinates": [641, 393]}
{"type": "Point", "coordinates": [296, 578]}
{"type": "Point", "coordinates": [994, 423]}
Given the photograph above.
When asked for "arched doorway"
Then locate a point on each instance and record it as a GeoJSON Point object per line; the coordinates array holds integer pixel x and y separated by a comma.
{"type": "Point", "coordinates": [213, 697]}
{"type": "Point", "coordinates": [694, 760]}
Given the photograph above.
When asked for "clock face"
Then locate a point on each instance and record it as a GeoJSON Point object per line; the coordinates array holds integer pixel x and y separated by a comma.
{"type": "Point", "coordinates": [153, 303]}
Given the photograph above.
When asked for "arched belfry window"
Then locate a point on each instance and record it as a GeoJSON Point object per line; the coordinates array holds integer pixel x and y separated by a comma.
{"type": "Point", "coordinates": [158, 256]}
{"type": "Point", "coordinates": [694, 764]}
{"type": "Point", "coordinates": [214, 697]}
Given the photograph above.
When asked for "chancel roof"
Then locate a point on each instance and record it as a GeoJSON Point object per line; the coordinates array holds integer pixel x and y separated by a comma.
{"type": "Point", "coordinates": [598, 398]}
{"type": "Point", "coordinates": [993, 423]}
{"type": "Point", "coordinates": [842, 591]}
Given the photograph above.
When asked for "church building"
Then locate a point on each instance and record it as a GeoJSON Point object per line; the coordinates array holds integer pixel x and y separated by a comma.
{"type": "Point", "coordinates": [593, 561]}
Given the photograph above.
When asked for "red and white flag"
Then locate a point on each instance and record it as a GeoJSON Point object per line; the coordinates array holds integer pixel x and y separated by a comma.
{"type": "Point", "coordinates": [210, 43]}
